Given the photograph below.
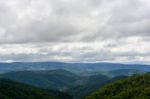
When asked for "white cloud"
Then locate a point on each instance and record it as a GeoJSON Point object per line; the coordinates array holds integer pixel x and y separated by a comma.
{"type": "Point", "coordinates": [114, 51]}
{"type": "Point", "coordinates": [74, 30]}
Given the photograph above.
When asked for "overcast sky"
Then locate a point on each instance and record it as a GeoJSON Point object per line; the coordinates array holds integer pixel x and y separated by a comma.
{"type": "Point", "coordinates": [75, 30]}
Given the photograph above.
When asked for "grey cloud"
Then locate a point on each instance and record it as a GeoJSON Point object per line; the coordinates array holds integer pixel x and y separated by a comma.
{"type": "Point", "coordinates": [72, 52]}
{"type": "Point", "coordinates": [72, 21]}
{"type": "Point", "coordinates": [74, 30]}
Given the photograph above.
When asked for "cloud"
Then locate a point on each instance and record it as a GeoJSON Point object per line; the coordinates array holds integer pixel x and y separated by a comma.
{"type": "Point", "coordinates": [74, 30]}
{"type": "Point", "coordinates": [111, 51]}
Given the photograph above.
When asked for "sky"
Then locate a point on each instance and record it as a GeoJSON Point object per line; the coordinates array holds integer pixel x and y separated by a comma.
{"type": "Point", "coordinates": [75, 30]}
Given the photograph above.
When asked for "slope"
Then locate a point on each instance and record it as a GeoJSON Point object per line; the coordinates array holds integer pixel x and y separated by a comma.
{"type": "Point", "coordinates": [14, 90]}
{"type": "Point", "coordinates": [53, 79]}
{"type": "Point", "coordinates": [88, 85]}
{"type": "Point", "coordinates": [135, 87]}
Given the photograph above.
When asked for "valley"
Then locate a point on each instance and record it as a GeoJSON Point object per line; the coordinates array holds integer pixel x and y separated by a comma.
{"type": "Point", "coordinates": [78, 82]}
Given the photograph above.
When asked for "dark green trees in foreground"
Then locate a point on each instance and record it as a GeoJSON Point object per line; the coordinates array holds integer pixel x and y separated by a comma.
{"type": "Point", "coordinates": [13, 90]}
{"type": "Point", "coordinates": [136, 87]}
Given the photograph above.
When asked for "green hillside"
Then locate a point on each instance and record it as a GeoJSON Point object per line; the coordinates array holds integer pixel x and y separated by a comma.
{"type": "Point", "coordinates": [135, 87]}
{"type": "Point", "coordinates": [53, 79]}
{"type": "Point", "coordinates": [89, 85]}
{"type": "Point", "coordinates": [76, 85]}
{"type": "Point", "coordinates": [13, 90]}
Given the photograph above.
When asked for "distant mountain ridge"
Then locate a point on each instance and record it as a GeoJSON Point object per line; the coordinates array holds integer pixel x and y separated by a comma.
{"type": "Point", "coordinates": [125, 72]}
{"type": "Point", "coordinates": [73, 67]}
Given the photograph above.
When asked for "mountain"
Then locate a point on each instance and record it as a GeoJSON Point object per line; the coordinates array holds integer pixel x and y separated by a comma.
{"type": "Point", "coordinates": [79, 68]}
{"type": "Point", "coordinates": [62, 80]}
{"type": "Point", "coordinates": [77, 79]}
{"type": "Point", "coordinates": [125, 72]}
{"type": "Point", "coordinates": [135, 87]}
{"type": "Point", "coordinates": [91, 84]}
{"type": "Point", "coordinates": [14, 90]}
{"type": "Point", "coordinates": [54, 79]}
{"type": "Point", "coordinates": [88, 85]}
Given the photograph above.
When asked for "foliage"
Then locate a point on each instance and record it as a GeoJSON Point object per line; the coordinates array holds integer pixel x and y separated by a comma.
{"type": "Point", "coordinates": [135, 87]}
{"type": "Point", "coordinates": [53, 79]}
{"type": "Point", "coordinates": [13, 90]}
{"type": "Point", "coordinates": [88, 85]}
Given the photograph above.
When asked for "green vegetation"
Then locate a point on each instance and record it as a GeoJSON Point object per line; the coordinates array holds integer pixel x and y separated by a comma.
{"type": "Point", "coordinates": [76, 85]}
{"type": "Point", "coordinates": [89, 85]}
{"type": "Point", "coordinates": [53, 79]}
{"type": "Point", "coordinates": [135, 87]}
{"type": "Point", "coordinates": [13, 90]}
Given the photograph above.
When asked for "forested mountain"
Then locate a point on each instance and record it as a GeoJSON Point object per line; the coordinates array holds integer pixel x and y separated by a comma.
{"type": "Point", "coordinates": [14, 90]}
{"type": "Point", "coordinates": [54, 79]}
{"type": "Point", "coordinates": [62, 80]}
{"type": "Point", "coordinates": [79, 68]}
{"type": "Point", "coordinates": [77, 79]}
{"type": "Point", "coordinates": [88, 85]}
{"type": "Point", "coordinates": [125, 72]}
{"type": "Point", "coordinates": [135, 87]}
{"type": "Point", "coordinates": [76, 85]}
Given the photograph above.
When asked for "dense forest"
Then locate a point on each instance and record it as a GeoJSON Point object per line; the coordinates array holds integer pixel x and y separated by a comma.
{"type": "Point", "coordinates": [135, 87]}
{"type": "Point", "coordinates": [14, 90]}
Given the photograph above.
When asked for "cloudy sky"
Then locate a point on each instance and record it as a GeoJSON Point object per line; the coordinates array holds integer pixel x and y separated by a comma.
{"type": "Point", "coordinates": [75, 30]}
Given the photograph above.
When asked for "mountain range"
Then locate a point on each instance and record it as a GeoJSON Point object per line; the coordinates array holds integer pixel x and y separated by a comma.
{"type": "Point", "coordinates": [80, 68]}
{"type": "Point", "coordinates": [76, 79]}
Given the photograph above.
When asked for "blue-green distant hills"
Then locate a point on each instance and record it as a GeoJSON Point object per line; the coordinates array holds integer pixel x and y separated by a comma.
{"type": "Point", "coordinates": [79, 68]}
{"type": "Point", "coordinates": [73, 67]}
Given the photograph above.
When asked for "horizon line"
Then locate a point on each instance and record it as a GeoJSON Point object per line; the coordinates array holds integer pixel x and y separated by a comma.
{"type": "Point", "coordinates": [82, 62]}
